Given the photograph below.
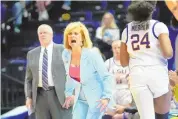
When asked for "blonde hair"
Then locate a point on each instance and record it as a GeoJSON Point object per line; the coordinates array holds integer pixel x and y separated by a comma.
{"type": "Point", "coordinates": [112, 25]}
{"type": "Point", "coordinates": [84, 31]}
{"type": "Point", "coordinates": [116, 42]}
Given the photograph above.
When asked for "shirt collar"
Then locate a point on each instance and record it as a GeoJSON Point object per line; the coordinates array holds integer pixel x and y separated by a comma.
{"type": "Point", "coordinates": [49, 47]}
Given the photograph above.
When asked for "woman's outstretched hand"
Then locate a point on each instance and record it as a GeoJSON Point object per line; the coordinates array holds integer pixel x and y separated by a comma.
{"type": "Point", "coordinates": [68, 102]}
{"type": "Point", "coordinates": [103, 104]}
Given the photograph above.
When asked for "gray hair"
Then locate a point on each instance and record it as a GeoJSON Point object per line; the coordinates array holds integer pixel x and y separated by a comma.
{"type": "Point", "coordinates": [45, 26]}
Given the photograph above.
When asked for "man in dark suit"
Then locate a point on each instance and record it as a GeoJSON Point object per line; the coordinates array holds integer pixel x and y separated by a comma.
{"type": "Point", "coordinates": [45, 78]}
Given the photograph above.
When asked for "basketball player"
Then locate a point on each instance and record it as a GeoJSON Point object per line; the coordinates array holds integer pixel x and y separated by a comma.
{"type": "Point", "coordinates": [145, 48]}
{"type": "Point", "coordinates": [121, 92]}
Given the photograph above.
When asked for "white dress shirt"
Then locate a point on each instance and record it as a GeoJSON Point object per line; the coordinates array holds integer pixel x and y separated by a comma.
{"type": "Point", "coordinates": [49, 51]}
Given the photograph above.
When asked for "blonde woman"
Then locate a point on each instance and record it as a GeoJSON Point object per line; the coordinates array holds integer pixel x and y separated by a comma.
{"type": "Point", "coordinates": [106, 33]}
{"type": "Point", "coordinates": [108, 22]}
{"type": "Point", "coordinates": [86, 74]}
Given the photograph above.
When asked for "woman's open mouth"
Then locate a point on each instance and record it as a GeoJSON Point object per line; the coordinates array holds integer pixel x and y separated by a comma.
{"type": "Point", "coordinates": [73, 41]}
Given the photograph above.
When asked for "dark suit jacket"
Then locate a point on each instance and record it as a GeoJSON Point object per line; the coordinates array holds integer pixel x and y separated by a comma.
{"type": "Point", "coordinates": [32, 73]}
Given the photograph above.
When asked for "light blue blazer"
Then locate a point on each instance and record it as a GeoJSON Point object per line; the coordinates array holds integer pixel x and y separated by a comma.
{"type": "Point", "coordinates": [96, 81]}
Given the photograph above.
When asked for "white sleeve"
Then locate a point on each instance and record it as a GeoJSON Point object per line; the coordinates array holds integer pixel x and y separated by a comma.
{"type": "Point", "coordinates": [99, 33]}
{"type": "Point", "coordinates": [124, 36]}
{"type": "Point", "coordinates": [107, 64]}
{"type": "Point", "coordinates": [160, 28]}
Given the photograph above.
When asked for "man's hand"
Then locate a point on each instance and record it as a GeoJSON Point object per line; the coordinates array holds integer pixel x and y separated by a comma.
{"type": "Point", "coordinates": [28, 103]}
{"type": "Point", "coordinates": [68, 102]}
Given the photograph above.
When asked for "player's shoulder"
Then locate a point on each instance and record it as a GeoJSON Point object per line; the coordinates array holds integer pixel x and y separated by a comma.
{"type": "Point", "coordinates": [157, 23]}
{"type": "Point", "coordinates": [34, 50]}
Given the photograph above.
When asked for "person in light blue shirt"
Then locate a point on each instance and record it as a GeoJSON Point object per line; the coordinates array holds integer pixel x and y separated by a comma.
{"type": "Point", "coordinates": [87, 75]}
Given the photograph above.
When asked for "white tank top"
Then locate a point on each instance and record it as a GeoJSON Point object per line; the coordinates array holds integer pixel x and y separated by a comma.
{"type": "Point", "coordinates": [114, 68]}
{"type": "Point", "coordinates": [143, 45]}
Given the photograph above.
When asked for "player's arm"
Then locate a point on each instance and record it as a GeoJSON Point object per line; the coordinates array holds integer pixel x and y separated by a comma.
{"type": "Point", "coordinates": [162, 32]}
{"type": "Point", "coordinates": [166, 46]}
{"type": "Point", "coordinates": [124, 59]}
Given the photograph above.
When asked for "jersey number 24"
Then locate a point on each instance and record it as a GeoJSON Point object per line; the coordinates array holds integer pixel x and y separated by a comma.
{"type": "Point", "coordinates": [137, 41]}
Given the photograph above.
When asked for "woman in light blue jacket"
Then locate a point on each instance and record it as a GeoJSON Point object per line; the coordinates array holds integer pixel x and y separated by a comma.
{"type": "Point", "coordinates": [86, 74]}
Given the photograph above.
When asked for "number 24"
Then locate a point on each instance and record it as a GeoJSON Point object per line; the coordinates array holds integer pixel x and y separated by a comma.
{"type": "Point", "coordinates": [144, 41]}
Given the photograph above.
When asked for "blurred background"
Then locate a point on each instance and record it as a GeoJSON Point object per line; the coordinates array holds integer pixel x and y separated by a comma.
{"type": "Point", "coordinates": [19, 23]}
